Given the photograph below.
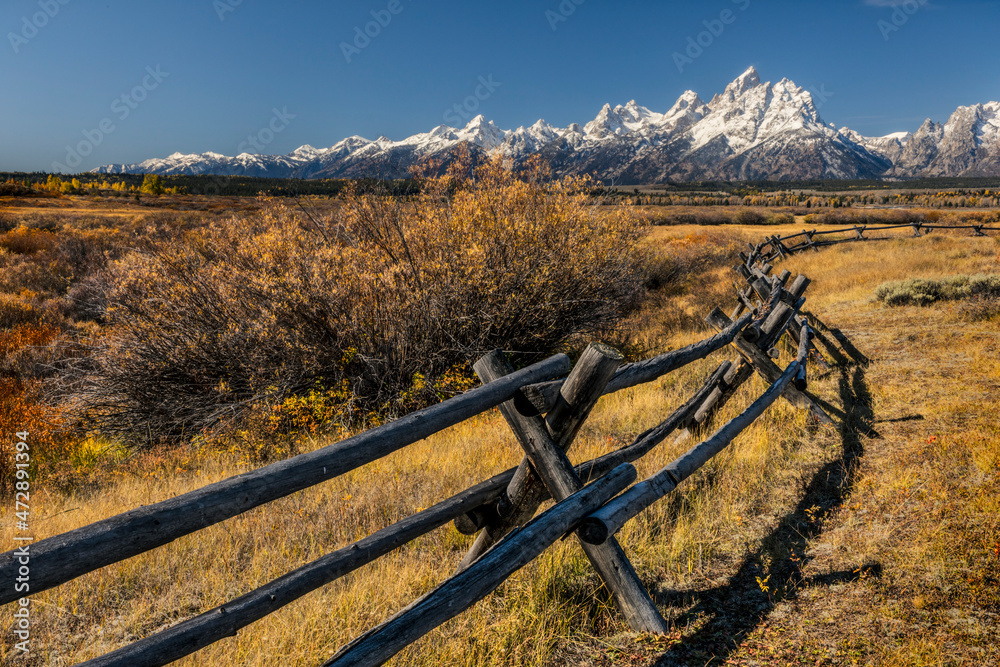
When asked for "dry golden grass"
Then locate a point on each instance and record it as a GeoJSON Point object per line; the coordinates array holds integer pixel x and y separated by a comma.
{"type": "Point", "coordinates": [877, 543]}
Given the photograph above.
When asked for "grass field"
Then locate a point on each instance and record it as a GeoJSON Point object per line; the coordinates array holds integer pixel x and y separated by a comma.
{"type": "Point", "coordinates": [875, 543]}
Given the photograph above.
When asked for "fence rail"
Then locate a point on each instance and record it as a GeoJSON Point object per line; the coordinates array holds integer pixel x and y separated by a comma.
{"type": "Point", "coordinates": [775, 247]}
{"type": "Point", "coordinates": [544, 404]}
{"type": "Point", "coordinates": [58, 559]}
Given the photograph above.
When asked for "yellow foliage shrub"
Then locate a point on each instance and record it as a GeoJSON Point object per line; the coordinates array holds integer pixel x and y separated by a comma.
{"type": "Point", "coordinates": [16, 310]}
{"type": "Point", "coordinates": [371, 310]}
{"type": "Point", "coordinates": [26, 241]}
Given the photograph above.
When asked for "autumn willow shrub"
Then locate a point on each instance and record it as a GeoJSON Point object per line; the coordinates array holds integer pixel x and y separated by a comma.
{"type": "Point", "coordinates": [41, 267]}
{"type": "Point", "coordinates": [845, 217]}
{"type": "Point", "coordinates": [716, 215]}
{"type": "Point", "coordinates": [363, 316]}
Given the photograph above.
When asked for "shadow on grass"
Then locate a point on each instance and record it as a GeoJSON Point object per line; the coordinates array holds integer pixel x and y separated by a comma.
{"type": "Point", "coordinates": [773, 572]}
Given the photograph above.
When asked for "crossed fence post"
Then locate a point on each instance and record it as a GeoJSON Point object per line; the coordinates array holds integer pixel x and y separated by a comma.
{"type": "Point", "coordinates": [545, 442]}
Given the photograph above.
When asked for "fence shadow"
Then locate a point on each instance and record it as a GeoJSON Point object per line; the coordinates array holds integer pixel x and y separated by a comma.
{"type": "Point", "coordinates": [773, 572]}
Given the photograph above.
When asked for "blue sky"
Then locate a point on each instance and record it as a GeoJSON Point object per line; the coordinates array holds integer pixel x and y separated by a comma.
{"type": "Point", "coordinates": [210, 73]}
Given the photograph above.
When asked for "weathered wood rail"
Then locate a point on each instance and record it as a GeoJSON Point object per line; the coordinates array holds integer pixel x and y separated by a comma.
{"type": "Point", "coordinates": [776, 247]}
{"type": "Point", "coordinates": [605, 522]}
{"type": "Point", "coordinates": [545, 405]}
{"type": "Point", "coordinates": [58, 559]}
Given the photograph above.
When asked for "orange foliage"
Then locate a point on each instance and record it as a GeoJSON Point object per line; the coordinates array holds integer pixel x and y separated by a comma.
{"type": "Point", "coordinates": [20, 410]}
{"type": "Point", "coordinates": [26, 335]}
{"type": "Point", "coordinates": [25, 241]}
{"type": "Point", "coordinates": [15, 310]}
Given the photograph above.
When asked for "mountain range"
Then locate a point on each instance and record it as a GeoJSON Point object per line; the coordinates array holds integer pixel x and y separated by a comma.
{"type": "Point", "coordinates": [750, 131]}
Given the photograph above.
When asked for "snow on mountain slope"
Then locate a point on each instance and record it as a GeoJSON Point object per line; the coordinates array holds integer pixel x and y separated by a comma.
{"type": "Point", "coordinates": [750, 130]}
{"type": "Point", "coordinates": [687, 110]}
{"type": "Point", "coordinates": [749, 112]}
{"type": "Point", "coordinates": [967, 145]}
{"type": "Point", "coordinates": [890, 146]}
{"type": "Point", "coordinates": [756, 130]}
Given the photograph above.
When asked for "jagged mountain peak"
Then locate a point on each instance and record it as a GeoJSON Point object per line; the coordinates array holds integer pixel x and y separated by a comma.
{"type": "Point", "coordinates": [791, 94]}
{"type": "Point", "coordinates": [306, 151]}
{"type": "Point", "coordinates": [482, 133]}
{"type": "Point", "coordinates": [686, 111]}
{"type": "Point", "coordinates": [635, 110]}
{"type": "Point", "coordinates": [688, 98]}
{"type": "Point", "coordinates": [607, 123]}
{"type": "Point", "coordinates": [622, 121]}
{"type": "Point", "coordinates": [749, 113]}
{"type": "Point", "coordinates": [478, 121]}
{"type": "Point", "coordinates": [442, 131]}
{"type": "Point", "coordinates": [744, 82]}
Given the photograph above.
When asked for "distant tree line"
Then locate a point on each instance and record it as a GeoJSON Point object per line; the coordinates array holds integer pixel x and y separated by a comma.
{"type": "Point", "coordinates": [827, 185]}
{"type": "Point", "coordinates": [227, 186]}
{"type": "Point", "coordinates": [746, 195]}
{"type": "Point", "coordinates": [822, 194]}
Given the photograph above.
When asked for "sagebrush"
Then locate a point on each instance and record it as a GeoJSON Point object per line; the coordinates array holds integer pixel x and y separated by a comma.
{"type": "Point", "coordinates": [924, 291]}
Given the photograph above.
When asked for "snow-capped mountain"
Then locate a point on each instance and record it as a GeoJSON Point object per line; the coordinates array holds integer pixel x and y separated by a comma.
{"type": "Point", "coordinates": [890, 146]}
{"type": "Point", "coordinates": [687, 110]}
{"type": "Point", "coordinates": [247, 164]}
{"type": "Point", "coordinates": [967, 145]}
{"type": "Point", "coordinates": [755, 131]}
{"type": "Point", "coordinates": [750, 131]}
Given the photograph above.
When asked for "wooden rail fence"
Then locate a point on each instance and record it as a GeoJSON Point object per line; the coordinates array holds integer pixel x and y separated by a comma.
{"type": "Point", "coordinates": [545, 405]}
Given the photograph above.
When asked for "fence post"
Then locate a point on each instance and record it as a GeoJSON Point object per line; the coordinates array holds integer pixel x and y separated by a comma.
{"type": "Point", "coordinates": [525, 491]}
{"type": "Point", "coordinates": [783, 250]}
{"type": "Point", "coordinates": [541, 440]}
{"type": "Point", "coordinates": [58, 559]}
{"type": "Point", "coordinates": [770, 371]}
